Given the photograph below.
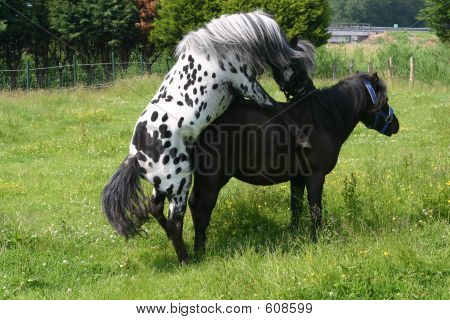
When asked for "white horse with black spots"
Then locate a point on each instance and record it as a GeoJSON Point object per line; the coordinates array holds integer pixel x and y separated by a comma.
{"type": "Point", "coordinates": [215, 64]}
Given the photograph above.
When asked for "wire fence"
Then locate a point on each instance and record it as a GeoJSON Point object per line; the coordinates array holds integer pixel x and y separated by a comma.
{"type": "Point", "coordinates": [76, 74]}
{"type": "Point", "coordinates": [340, 69]}
{"type": "Point", "coordinates": [100, 74]}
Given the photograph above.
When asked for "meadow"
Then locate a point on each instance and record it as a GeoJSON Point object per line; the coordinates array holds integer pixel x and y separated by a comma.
{"type": "Point", "coordinates": [386, 223]}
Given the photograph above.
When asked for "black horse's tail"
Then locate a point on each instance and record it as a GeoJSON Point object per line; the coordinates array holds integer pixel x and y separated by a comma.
{"type": "Point", "coordinates": [123, 199]}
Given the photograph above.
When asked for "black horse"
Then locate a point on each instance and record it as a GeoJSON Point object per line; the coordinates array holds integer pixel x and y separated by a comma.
{"type": "Point", "coordinates": [254, 146]}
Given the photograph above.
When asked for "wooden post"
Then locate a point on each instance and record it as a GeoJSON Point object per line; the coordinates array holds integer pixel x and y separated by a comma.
{"type": "Point", "coordinates": [411, 71]}
{"type": "Point", "coordinates": [334, 69]}
{"type": "Point", "coordinates": [113, 64]}
{"type": "Point", "coordinates": [74, 66]}
{"type": "Point", "coordinates": [167, 64]}
{"type": "Point", "coordinates": [390, 70]}
{"type": "Point", "coordinates": [369, 66]}
{"type": "Point", "coordinates": [27, 75]}
{"type": "Point", "coordinates": [350, 67]}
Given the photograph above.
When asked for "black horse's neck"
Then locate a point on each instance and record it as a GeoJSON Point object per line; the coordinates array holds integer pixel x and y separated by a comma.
{"type": "Point", "coordinates": [335, 110]}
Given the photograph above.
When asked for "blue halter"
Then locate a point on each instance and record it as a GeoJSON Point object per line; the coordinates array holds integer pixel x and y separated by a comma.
{"type": "Point", "coordinates": [380, 114]}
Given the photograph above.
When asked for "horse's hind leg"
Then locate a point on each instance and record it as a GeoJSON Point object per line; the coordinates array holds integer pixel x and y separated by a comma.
{"type": "Point", "coordinates": [202, 202]}
{"type": "Point", "coordinates": [297, 192]}
{"type": "Point", "coordinates": [156, 208]}
{"type": "Point", "coordinates": [177, 209]}
{"type": "Point", "coordinates": [314, 185]}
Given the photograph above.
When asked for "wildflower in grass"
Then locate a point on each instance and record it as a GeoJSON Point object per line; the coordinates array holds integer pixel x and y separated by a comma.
{"type": "Point", "coordinates": [385, 253]}
{"type": "Point", "coordinates": [65, 261]}
{"type": "Point", "coordinates": [69, 290]}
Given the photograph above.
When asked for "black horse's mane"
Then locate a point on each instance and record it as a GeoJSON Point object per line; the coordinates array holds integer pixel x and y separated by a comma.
{"type": "Point", "coordinates": [330, 107]}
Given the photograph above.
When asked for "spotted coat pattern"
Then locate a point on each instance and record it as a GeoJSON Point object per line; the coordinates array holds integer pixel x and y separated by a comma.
{"type": "Point", "coordinates": [196, 91]}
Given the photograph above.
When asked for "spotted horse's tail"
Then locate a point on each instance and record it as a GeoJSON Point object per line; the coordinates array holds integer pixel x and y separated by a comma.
{"type": "Point", "coordinates": [123, 199]}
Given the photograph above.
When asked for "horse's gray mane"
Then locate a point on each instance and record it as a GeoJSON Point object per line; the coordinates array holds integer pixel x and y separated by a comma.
{"type": "Point", "coordinates": [255, 37]}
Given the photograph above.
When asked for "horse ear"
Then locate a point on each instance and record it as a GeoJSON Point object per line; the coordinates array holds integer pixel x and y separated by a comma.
{"type": "Point", "coordinates": [374, 77]}
{"type": "Point", "coordinates": [374, 80]}
{"type": "Point", "coordinates": [294, 41]}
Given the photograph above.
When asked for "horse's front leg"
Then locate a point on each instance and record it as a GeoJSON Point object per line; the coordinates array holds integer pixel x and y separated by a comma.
{"type": "Point", "coordinates": [245, 83]}
{"type": "Point", "coordinates": [297, 192]}
{"type": "Point", "coordinates": [314, 186]}
{"type": "Point", "coordinates": [202, 202]}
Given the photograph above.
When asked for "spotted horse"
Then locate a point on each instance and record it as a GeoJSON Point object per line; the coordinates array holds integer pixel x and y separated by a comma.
{"type": "Point", "coordinates": [215, 64]}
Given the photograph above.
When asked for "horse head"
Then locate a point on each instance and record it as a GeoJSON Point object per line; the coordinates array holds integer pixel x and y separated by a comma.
{"type": "Point", "coordinates": [378, 114]}
{"type": "Point", "coordinates": [294, 78]}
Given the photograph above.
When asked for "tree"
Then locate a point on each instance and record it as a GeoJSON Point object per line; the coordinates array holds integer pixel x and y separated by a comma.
{"type": "Point", "coordinates": [39, 31]}
{"type": "Point", "coordinates": [95, 28]}
{"type": "Point", "coordinates": [437, 15]}
{"type": "Point", "coordinates": [307, 18]}
{"type": "Point", "coordinates": [178, 17]}
{"type": "Point", "coordinates": [3, 25]}
{"type": "Point", "coordinates": [114, 22]}
{"type": "Point", "coordinates": [19, 31]}
{"type": "Point", "coordinates": [378, 13]}
{"type": "Point", "coordinates": [147, 13]}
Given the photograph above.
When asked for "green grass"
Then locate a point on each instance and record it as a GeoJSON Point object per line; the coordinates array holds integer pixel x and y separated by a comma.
{"type": "Point", "coordinates": [386, 231]}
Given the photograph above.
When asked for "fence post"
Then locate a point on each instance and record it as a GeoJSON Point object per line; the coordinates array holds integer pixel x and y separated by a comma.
{"type": "Point", "coordinates": [369, 66]}
{"type": "Point", "coordinates": [334, 69]}
{"type": "Point", "coordinates": [142, 63]}
{"type": "Point", "coordinates": [411, 71]}
{"type": "Point", "coordinates": [167, 64]}
{"type": "Point", "coordinates": [113, 64]}
{"type": "Point", "coordinates": [27, 74]}
{"type": "Point", "coordinates": [60, 75]}
{"type": "Point", "coordinates": [350, 67]}
{"type": "Point", "coordinates": [390, 70]}
{"type": "Point", "coordinates": [74, 66]}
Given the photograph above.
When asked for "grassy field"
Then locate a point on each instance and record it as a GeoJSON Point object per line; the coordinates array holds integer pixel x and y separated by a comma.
{"type": "Point", "coordinates": [386, 234]}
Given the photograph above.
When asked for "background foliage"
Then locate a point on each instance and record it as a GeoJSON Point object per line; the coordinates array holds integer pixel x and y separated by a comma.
{"type": "Point", "coordinates": [437, 15]}
{"type": "Point", "coordinates": [49, 32]}
{"type": "Point", "coordinates": [383, 13]}
{"type": "Point", "coordinates": [307, 18]}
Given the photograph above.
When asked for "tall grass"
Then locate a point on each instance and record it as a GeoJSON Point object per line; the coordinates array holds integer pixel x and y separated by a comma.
{"type": "Point", "coordinates": [432, 58]}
